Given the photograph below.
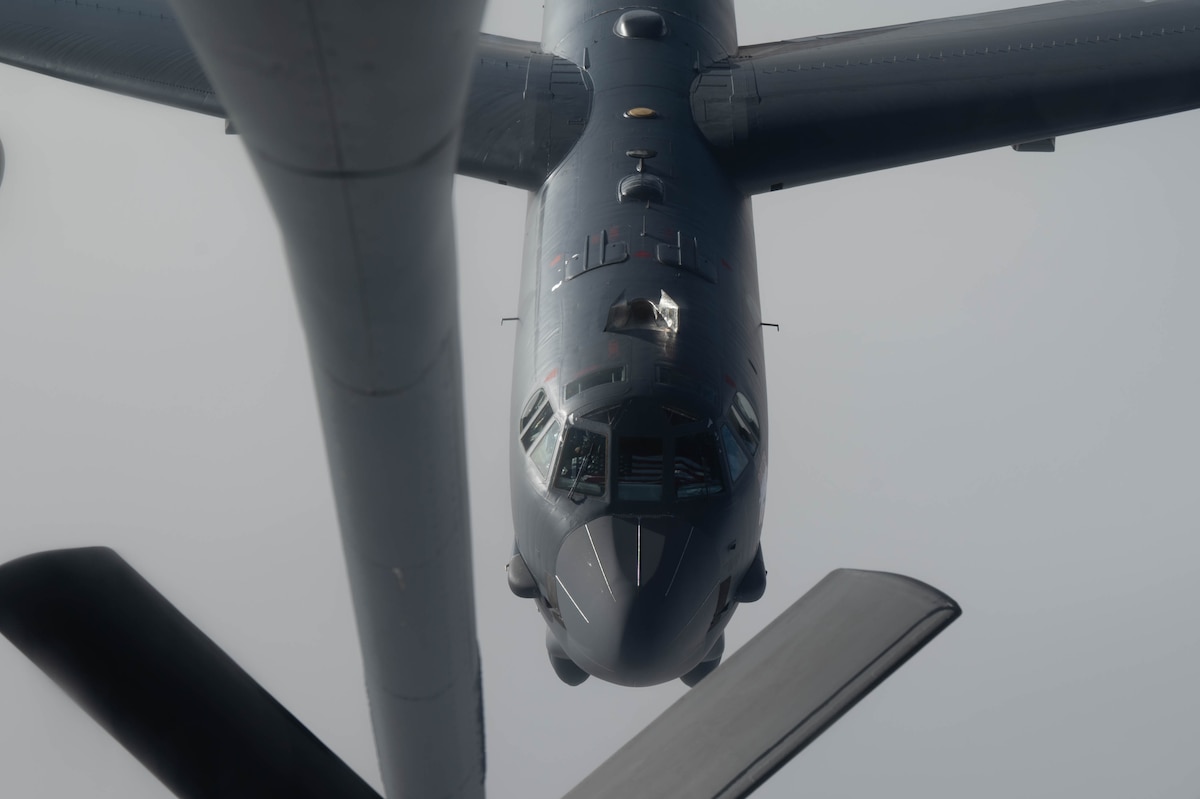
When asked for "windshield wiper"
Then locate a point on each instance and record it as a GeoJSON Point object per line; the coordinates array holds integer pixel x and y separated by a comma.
{"type": "Point", "coordinates": [583, 462]}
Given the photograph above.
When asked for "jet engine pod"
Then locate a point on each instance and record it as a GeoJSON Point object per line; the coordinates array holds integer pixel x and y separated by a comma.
{"type": "Point", "coordinates": [1, 162]}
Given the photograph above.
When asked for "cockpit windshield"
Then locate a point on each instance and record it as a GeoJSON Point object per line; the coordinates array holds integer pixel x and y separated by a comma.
{"type": "Point", "coordinates": [641, 474]}
{"type": "Point", "coordinates": [683, 464]}
{"type": "Point", "coordinates": [746, 421]}
{"type": "Point", "coordinates": [581, 469]}
{"type": "Point", "coordinates": [639, 468]}
{"type": "Point", "coordinates": [697, 470]}
{"type": "Point", "coordinates": [540, 412]}
{"type": "Point", "coordinates": [543, 453]}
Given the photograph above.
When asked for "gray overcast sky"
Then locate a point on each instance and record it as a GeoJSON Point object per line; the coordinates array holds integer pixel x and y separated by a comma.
{"type": "Point", "coordinates": [985, 378]}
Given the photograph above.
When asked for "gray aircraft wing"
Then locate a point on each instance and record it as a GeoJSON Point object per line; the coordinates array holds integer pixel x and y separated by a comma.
{"type": "Point", "coordinates": [780, 691]}
{"type": "Point", "coordinates": [807, 110]}
{"type": "Point", "coordinates": [525, 111]}
{"type": "Point", "coordinates": [135, 48]}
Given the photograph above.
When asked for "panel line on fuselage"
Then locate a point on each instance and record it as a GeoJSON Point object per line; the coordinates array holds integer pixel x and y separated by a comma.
{"type": "Point", "coordinates": [639, 554]}
{"type": "Point", "coordinates": [600, 563]}
{"type": "Point", "coordinates": [566, 591]}
{"type": "Point", "coordinates": [682, 555]}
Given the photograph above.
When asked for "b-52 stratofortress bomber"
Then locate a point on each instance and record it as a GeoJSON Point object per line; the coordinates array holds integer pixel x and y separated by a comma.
{"type": "Point", "coordinates": [638, 463]}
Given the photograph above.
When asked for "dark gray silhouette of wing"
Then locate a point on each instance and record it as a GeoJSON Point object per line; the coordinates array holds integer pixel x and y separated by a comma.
{"type": "Point", "coordinates": [161, 687]}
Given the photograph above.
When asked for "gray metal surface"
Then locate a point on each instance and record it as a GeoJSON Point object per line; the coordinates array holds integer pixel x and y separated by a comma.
{"type": "Point", "coordinates": [525, 111]}
{"type": "Point", "coordinates": [363, 201]}
{"type": "Point", "coordinates": [562, 18]}
{"type": "Point", "coordinates": [136, 49]}
{"type": "Point", "coordinates": [637, 588]}
{"type": "Point", "coordinates": [780, 691]}
{"type": "Point", "coordinates": [813, 109]}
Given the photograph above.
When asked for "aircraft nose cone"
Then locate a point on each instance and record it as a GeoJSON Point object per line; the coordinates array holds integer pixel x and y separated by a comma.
{"type": "Point", "coordinates": [637, 597]}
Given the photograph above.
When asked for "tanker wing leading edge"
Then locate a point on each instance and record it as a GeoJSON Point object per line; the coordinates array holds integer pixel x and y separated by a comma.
{"type": "Point", "coordinates": [362, 198]}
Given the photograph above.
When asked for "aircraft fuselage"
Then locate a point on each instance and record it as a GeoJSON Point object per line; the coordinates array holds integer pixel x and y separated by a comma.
{"type": "Point", "coordinates": [638, 463]}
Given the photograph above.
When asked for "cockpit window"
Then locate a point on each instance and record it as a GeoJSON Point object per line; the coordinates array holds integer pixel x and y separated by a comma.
{"type": "Point", "coordinates": [639, 468]}
{"type": "Point", "coordinates": [541, 415]}
{"type": "Point", "coordinates": [735, 458]}
{"type": "Point", "coordinates": [582, 465]}
{"type": "Point", "coordinates": [542, 455]}
{"type": "Point", "coordinates": [697, 473]}
{"type": "Point", "coordinates": [534, 404]}
{"type": "Point", "coordinates": [745, 421]}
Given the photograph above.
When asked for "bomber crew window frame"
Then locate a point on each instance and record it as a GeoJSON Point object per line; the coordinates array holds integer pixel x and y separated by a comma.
{"type": "Point", "coordinates": [534, 418]}
{"type": "Point", "coordinates": [735, 457]}
{"type": "Point", "coordinates": [583, 462]}
{"type": "Point", "coordinates": [539, 432]}
{"type": "Point", "coordinates": [640, 473]}
{"type": "Point", "coordinates": [744, 421]}
{"type": "Point", "coordinates": [696, 466]}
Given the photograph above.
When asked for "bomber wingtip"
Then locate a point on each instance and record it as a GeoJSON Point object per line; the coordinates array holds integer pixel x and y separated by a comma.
{"type": "Point", "coordinates": [902, 581]}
